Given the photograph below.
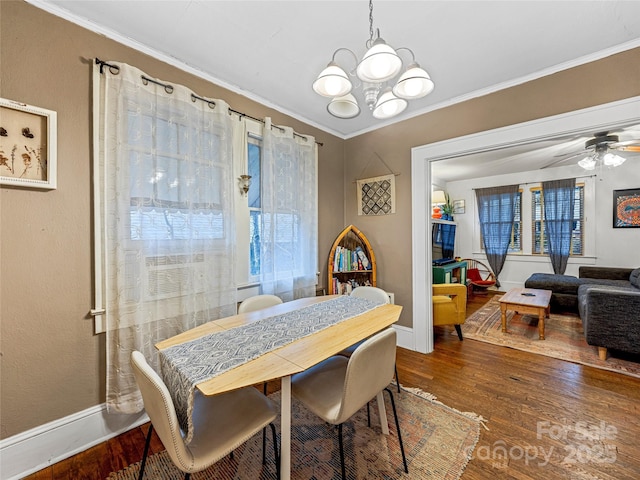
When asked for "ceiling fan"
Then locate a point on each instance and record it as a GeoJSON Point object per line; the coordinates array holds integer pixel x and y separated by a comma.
{"type": "Point", "coordinates": [601, 149]}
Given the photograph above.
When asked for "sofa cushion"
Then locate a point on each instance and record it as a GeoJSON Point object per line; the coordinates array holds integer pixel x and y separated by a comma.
{"type": "Point", "coordinates": [605, 282]}
{"type": "Point", "coordinates": [556, 283]}
{"type": "Point", "coordinates": [634, 278]}
{"type": "Point", "coordinates": [612, 287]}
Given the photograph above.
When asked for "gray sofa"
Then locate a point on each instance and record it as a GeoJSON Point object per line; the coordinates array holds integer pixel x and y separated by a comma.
{"type": "Point", "coordinates": [607, 300]}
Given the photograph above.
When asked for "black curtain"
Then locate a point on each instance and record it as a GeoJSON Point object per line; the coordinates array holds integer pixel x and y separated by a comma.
{"type": "Point", "coordinates": [559, 202]}
{"type": "Point", "coordinates": [496, 211]}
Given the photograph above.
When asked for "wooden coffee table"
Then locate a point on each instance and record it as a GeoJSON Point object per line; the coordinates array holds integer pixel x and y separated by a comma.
{"type": "Point", "coordinates": [526, 300]}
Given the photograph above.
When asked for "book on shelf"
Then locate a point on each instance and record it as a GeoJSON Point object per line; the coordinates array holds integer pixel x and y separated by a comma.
{"type": "Point", "coordinates": [346, 260]}
{"type": "Point", "coordinates": [345, 288]}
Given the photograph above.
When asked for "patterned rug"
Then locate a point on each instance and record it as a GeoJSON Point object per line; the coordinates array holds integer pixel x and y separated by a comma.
{"type": "Point", "coordinates": [438, 442]}
{"type": "Point", "coordinates": [564, 338]}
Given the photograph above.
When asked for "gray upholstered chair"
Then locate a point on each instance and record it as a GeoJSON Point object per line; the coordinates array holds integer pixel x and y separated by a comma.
{"type": "Point", "coordinates": [338, 387]}
{"type": "Point", "coordinates": [221, 422]}
{"type": "Point", "coordinates": [374, 294]}
{"type": "Point", "coordinates": [258, 302]}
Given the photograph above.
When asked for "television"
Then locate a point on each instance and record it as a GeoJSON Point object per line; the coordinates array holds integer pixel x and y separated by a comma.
{"type": "Point", "coordinates": [443, 239]}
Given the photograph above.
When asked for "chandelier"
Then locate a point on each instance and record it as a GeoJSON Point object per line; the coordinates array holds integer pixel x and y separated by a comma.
{"type": "Point", "coordinates": [378, 66]}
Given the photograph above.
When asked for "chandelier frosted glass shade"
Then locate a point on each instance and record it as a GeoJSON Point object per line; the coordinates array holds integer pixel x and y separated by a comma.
{"type": "Point", "coordinates": [344, 107]}
{"type": "Point", "coordinates": [379, 64]}
{"type": "Point", "coordinates": [588, 163]}
{"type": "Point", "coordinates": [388, 105]}
{"type": "Point", "coordinates": [607, 159]}
{"type": "Point", "coordinates": [332, 82]}
{"type": "Point", "coordinates": [414, 83]}
{"type": "Point", "coordinates": [612, 160]}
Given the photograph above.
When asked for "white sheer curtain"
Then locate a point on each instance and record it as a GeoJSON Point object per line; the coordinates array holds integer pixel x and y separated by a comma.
{"type": "Point", "coordinates": [289, 230]}
{"type": "Point", "coordinates": [165, 179]}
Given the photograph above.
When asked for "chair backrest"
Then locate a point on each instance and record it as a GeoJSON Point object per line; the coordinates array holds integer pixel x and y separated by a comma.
{"type": "Point", "coordinates": [159, 407]}
{"type": "Point", "coordinates": [374, 294]}
{"type": "Point", "coordinates": [370, 370]}
{"type": "Point", "coordinates": [258, 302]}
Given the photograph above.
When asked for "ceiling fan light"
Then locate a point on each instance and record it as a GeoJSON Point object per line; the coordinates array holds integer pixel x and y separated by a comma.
{"type": "Point", "coordinates": [415, 82]}
{"type": "Point", "coordinates": [344, 107]}
{"type": "Point", "coordinates": [388, 105]}
{"type": "Point", "coordinates": [332, 82]}
{"type": "Point", "coordinates": [588, 163]}
{"type": "Point", "coordinates": [612, 160]}
{"type": "Point", "coordinates": [379, 64]}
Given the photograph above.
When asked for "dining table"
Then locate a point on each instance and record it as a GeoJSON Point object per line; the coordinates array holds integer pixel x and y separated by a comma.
{"type": "Point", "coordinates": [327, 337]}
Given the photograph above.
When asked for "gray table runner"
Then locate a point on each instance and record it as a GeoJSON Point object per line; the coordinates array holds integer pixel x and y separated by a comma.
{"type": "Point", "coordinates": [188, 364]}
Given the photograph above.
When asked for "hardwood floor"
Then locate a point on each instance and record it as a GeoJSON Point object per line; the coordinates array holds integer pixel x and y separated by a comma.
{"type": "Point", "coordinates": [545, 418]}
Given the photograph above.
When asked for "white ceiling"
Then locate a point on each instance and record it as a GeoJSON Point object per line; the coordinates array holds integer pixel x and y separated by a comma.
{"type": "Point", "coordinates": [271, 51]}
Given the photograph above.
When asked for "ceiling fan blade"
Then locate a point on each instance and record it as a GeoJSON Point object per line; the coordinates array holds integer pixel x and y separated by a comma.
{"type": "Point", "coordinates": [562, 160]}
{"type": "Point", "coordinates": [629, 148]}
{"type": "Point", "coordinates": [570, 154]}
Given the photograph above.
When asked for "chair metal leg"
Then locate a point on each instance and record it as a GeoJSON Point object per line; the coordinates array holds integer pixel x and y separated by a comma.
{"type": "Point", "coordinates": [146, 452]}
{"type": "Point", "coordinates": [397, 378]}
{"type": "Point", "coordinates": [344, 473]}
{"type": "Point", "coordinates": [275, 449]}
{"type": "Point", "coordinates": [459, 331]}
{"type": "Point", "coordinates": [368, 416]}
{"type": "Point", "coordinates": [187, 476]}
{"type": "Point", "coordinates": [264, 430]}
{"type": "Point", "coordinates": [395, 414]}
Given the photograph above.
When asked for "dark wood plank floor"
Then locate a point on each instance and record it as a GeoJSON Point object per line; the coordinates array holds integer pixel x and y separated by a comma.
{"type": "Point", "coordinates": [546, 419]}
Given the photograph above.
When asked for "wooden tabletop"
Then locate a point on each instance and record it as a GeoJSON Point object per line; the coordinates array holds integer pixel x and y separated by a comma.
{"type": "Point", "coordinates": [531, 297]}
{"type": "Point", "coordinates": [294, 357]}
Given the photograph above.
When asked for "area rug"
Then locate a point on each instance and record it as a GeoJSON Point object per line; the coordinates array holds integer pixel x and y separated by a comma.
{"type": "Point", "coordinates": [438, 442]}
{"type": "Point", "coordinates": [564, 338]}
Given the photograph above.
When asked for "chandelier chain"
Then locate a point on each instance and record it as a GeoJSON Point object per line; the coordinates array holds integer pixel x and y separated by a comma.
{"type": "Point", "coordinates": [370, 21]}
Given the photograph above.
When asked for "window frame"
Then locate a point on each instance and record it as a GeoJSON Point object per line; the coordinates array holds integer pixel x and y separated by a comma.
{"type": "Point", "coordinates": [537, 190]}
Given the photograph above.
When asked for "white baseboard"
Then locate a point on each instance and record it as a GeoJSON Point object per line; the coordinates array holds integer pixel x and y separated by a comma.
{"type": "Point", "coordinates": [405, 337]}
{"type": "Point", "coordinates": [40, 447]}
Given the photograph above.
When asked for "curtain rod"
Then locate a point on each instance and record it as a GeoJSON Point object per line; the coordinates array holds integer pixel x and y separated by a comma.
{"type": "Point", "coordinates": [541, 181]}
{"type": "Point", "coordinates": [115, 70]}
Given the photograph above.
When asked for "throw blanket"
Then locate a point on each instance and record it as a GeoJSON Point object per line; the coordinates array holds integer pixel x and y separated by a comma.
{"type": "Point", "coordinates": [188, 364]}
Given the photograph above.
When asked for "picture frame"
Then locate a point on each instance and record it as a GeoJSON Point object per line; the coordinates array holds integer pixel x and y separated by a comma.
{"type": "Point", "coordinates": [626, 208]}
{"type": "Point", "coordinates": [458, 207]}
{"type": "Point", "coordinates": [377, 195]}
{"type": "Point", "coordinates": [28, 145]}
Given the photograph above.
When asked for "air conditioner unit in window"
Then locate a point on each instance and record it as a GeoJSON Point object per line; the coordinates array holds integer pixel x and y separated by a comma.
{"type": "Point", "coordinates": [169, 276]}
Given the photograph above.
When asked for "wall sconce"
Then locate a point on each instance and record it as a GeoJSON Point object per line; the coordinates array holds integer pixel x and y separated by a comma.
{"type": "Point", "coordinates": [245, 183]}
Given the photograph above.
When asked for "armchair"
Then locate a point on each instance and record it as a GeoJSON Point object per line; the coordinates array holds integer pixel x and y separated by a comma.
{"type": "Point", "coordinates": [450, 305]}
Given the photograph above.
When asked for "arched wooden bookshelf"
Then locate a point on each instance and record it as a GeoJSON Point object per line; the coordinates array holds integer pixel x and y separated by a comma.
{"type": "Point", "coordinates": [344, 270]}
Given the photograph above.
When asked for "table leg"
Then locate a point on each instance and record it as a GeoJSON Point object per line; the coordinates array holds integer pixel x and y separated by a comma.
{"type": "Point", "coordinates": [285, 428]}
{"type": "Point", "coordinates": [382, 413]}
{"type": "Point", "coordinates": [503, 317]}
{"type": "Point", "coordinates": [541, 315]}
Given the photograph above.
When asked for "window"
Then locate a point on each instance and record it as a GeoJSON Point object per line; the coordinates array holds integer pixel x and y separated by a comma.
{"type": "Point", "coordinates": [286, 233]}
{"type": "Point", "coordinates": [277, 235]}
{"type": "Point", "coordinates": [254, 201]}
{"type": "Point", "coordinates": [516, 234]}
{"type": "Point", "coordinates": [515, 245]}
{"type": "Point", "coordinates": [539, 242]}
{"type": "Point", "coordinates": [171, 199]}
